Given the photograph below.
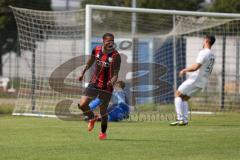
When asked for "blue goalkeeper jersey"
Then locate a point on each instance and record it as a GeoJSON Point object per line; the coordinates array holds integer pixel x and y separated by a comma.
{"type": "Point", "coordinates": [119, 97]}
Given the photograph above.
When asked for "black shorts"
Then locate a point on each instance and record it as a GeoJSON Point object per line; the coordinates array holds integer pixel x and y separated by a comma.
{"type": "Point", "coordinates": [92, 92]}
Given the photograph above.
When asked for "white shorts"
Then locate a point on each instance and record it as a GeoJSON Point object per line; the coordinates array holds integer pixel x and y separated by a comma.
{"type": "Point", "coordinates": [189, 87]}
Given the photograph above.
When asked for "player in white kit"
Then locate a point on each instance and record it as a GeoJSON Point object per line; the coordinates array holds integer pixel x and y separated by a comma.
{"type": "Point", "coordinates": [201, 69]}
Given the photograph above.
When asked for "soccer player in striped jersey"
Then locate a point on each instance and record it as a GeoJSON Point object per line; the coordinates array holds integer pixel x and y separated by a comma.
{"type": "Point", "coordinates": [201, 69]}
{"type": "Point", "coordinates": [107, 65]}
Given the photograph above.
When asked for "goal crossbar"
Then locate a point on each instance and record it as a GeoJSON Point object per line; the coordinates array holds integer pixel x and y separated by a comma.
{"type": "Point", "coordinates": [163, 11]}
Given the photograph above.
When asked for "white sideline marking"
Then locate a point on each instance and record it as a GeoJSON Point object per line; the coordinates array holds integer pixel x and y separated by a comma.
{"type": "Point", "coordinates": [196, 112]}
{"type": "Point", "coordinates": [34, 115]}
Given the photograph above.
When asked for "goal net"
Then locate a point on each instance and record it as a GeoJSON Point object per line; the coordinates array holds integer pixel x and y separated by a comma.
{"type": "Point", "coordinates": [154, 45]}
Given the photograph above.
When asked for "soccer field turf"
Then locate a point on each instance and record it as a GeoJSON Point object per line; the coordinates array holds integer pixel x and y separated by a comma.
{"type": "Point", "coordinates": [209, 137]}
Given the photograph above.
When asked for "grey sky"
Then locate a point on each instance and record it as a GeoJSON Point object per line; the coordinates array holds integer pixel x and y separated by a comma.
{"type": "Point", "coordinates": [62, 4]}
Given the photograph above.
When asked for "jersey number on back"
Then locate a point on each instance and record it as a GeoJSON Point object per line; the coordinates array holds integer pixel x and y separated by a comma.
{"type": "Point", "coordinates": [210, 65]}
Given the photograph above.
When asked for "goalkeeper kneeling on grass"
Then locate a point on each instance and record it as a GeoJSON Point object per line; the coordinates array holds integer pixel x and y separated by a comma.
{"type": "Point", "coordinates": [119, 108]}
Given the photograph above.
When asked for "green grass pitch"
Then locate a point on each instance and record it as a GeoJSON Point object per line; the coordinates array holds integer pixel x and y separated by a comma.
{"type": "Point", "coordinates": [208, 137]}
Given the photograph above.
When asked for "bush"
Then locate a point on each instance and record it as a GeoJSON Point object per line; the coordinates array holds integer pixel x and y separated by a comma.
{"type": "Point", "coordinates": [6, 108]}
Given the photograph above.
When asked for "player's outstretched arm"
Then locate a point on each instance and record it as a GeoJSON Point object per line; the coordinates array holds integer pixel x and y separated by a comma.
{"type": "Point", "coordinates": [87, 66]}
{"type": "Point", "coordinates": [116, 68]}
{"type": "Point", "coordinates": [191, 68]}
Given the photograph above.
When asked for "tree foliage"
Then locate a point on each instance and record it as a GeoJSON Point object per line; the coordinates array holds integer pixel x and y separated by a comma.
{"type": "Point", "coordinates": [157, 4]}
{"type": "Point", "coordinates": [229, 6]}
{"type": "Point", "coordinates": [8, 29]}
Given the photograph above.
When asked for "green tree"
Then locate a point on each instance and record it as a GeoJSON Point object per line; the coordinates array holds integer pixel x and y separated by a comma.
{"type": "Point", "coordinates": [8, 29]}
{"type": "Point", "coordinates": [191, 5]}
{"type": "Point", "coordinates": [229, 6]}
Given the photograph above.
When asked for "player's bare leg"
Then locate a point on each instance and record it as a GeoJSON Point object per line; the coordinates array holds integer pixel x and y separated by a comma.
{"type": "Point", "coordinates": [84, 106]}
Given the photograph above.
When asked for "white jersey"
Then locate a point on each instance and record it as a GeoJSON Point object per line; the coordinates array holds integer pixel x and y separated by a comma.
{"type": "Point", "coordinates": [206, 58]}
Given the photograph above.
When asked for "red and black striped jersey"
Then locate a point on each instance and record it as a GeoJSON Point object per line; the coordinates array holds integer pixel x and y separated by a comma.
{"type": "Point", "coordinates": [106, 66]}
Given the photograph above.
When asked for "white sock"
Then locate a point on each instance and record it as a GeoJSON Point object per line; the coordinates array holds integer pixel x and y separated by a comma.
{"type": "Point", "coordinates": [178, 107]}
{"type": "Point", "coordinates": [185, 111]}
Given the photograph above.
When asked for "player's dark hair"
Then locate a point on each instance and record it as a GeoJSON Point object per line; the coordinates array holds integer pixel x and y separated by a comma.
{"type": "Point", "coordinates": [211, 39]}
{"type": "Point", "coordinates": [107, 35]}
{"type": "Point", "coordinates": [121, 84]}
